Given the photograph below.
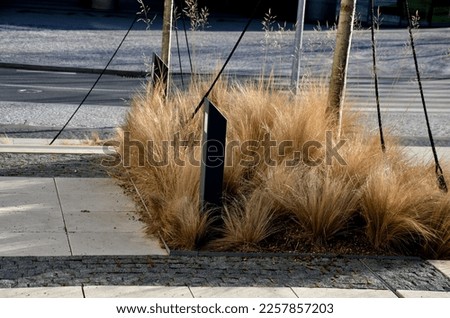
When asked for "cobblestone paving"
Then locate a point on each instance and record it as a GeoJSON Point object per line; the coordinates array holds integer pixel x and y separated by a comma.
{"type": "Point", "coordinates": [231, 271]}
{"type": "Point", "coordinates": [409, 275]}
{"type": "Point", "coordinates": [38, 132]}
{"type": "Point", "coordinates": [51, 165]}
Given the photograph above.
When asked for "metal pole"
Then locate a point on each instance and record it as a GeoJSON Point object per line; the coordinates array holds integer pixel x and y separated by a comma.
{"type": "Point", "coordinates": [167, 31]}
{"type": "Point", "coordinates": [295, 77]}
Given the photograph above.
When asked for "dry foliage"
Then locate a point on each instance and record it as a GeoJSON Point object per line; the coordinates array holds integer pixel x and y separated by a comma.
{"type": "Point", "coordinates": [394, 202]}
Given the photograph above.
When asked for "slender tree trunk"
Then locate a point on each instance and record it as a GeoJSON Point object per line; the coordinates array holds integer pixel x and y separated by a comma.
{"type": "Point", "coordinates": [167, 31]}
{"type": "Point", "coordinates": [340, 59]}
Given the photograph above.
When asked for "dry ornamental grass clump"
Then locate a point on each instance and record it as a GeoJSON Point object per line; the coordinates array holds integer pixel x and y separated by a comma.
{"type": "Point", "coordinates": [299, 190]}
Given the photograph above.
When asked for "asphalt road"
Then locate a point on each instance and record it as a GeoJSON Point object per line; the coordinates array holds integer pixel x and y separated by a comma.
{"type": "Point", "coordinates": [36, 103]}
{"type": "Point", "coordinates": [66, 88]}
{"type": "Point", "coordinates": [69, 88]}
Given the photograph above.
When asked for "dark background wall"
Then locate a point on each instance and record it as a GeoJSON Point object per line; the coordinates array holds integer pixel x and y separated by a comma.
{"type": "Point", "coordinates": [282, 8]}
{"type": "Point", "coordinates": [432, 12]}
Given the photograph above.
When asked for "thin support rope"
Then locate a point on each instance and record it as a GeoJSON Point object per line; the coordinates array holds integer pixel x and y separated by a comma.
{"type": "Point", "coordinates": [375, 76]}
{"type": "Point", "coordinates": [438, 169]}
{"type": "Point", "coordinates": [250, 20]}
{"type": "Point", "coordinates": [96, 82]}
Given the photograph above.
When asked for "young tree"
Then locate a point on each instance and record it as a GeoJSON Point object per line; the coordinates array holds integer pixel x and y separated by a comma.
{"type": "Point", "coordinates": [167, 31]}
{"type": "Point", "coordinates": [340, 59]}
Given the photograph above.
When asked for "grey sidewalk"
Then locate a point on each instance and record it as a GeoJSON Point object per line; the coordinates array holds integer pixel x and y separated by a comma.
{"type": "Point", "coordinates": [69, 217]}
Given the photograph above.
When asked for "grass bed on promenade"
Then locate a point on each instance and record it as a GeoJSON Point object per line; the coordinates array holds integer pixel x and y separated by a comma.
{"type": "Point", "coordinates": [314, 189]}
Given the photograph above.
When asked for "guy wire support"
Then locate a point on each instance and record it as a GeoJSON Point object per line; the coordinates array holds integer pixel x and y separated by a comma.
{"type": "Point", "coordinates": [250, 20]}
{"type": "Point", "coordinates": [96, 82]}
{"type": "Point", "coordinates": [438, 169]}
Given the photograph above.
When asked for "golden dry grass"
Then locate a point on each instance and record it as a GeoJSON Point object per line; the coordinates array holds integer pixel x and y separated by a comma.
{"type": "Point", "coordinates": [248, 220]}
{"type": "Point", "coordinates": [439, 221]}
{"type": "Point", "coordinates": [393, 209]}
{"type": "Point", "coordinates": [395, 202]}
{"type": "Point", "coordinates": [322, 205]}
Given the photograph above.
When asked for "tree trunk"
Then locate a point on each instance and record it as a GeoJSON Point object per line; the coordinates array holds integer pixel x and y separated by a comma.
{"type": "Point", "coordinates": [167, 31]}
{"type": "Point", "coordinates": [340, 59]}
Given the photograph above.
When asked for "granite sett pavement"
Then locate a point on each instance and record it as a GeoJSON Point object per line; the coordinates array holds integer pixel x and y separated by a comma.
{"type": "Point", "coordinates": [223, 271]}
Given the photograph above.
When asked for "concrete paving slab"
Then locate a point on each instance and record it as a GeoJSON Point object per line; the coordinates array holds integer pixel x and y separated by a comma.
{"type": "Point", "coordinates": [31, 221]}
{"type": "Point", "coordinates": [30, 218]}
{"type": "Point", "coordinates": [34, 244]}
{"type": "Point", "coordinates": [342, 293]}
{"type": "Point", "coordinates": [42, 292]}
{"type": "Point", "coordinates": [443, 266]}
{"type": "Point", "coordinates": [38, 200]}
{"type": "Point", "coordinates": [242, 292]}
{"type": "Point", "coordinates": [100, 219]}
{"type": "Point", "coordinates": [118, 243]}
{"type": "Point", "coordinates": [95, 201]}
{"type": "Point", "coordinates": [423, 294]}
{"type": "Point", "coordinates": [25, 185]}
{"type": "Point", "coordinates": [68, 185]}
{"type": "Point", "coordinates": [103, 222]}
{"type": "Point", "coordinates": [136, 292]}
{"type": "Point", "coordinates": [29, 205]}
{"type": "Point", "coordinates": [93, 194]}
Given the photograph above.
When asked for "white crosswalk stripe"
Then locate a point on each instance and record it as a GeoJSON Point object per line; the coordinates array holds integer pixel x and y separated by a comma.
{"type": "Point", "coordinates": [399, 95]}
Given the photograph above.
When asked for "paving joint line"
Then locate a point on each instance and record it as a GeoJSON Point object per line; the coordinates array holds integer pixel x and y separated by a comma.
{"type": "Point", "coordinates": [192, 294]}
{"type": "Point", "coordinates": [383, 281]}
{"type": "Point", "coordinates": [437, 268]}
{"type": "Point", "coordinates": [292, 289]}
{"type": "Point", "coordinates": [63, 217]}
